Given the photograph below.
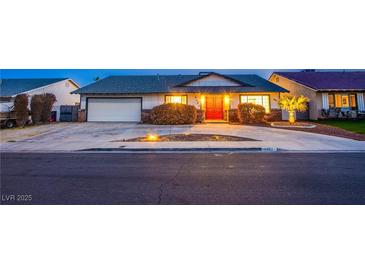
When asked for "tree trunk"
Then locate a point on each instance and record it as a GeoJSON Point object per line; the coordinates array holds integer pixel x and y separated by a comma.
{"type": "Point", "coordinates": [292, 117]}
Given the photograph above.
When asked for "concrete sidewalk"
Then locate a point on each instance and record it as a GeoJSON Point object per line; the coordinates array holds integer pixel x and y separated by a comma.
{"type": "Point", "coordinates": [81, 136]}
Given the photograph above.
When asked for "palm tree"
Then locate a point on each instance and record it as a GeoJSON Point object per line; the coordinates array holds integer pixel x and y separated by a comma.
{"type": "Point", "coordinates": [292, 104]}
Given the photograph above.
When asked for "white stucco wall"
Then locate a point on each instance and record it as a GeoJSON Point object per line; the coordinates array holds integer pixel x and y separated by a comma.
{"type": "Point", "coordinates": [194, 99]}
{"type": "Point", "coordinates": [319, 104]}
{"type": "Point", "coordinates": [152, 100]}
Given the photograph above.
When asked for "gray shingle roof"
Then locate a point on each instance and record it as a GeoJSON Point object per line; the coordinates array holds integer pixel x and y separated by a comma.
{"type": "Point", "coordinates": [328, 80]}
{"type": "Point", "coordinates": [10, 87]}
{"type": "Point", "coordinates": [139, 84]}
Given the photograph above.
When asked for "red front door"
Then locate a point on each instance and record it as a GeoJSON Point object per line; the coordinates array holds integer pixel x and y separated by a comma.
{"type": "Point", "coordinates": [214, 107]}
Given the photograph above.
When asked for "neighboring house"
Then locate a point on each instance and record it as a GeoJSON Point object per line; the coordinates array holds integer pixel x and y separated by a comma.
{"type": "Point", "coordinates": [326, 90]}
{"type": "Point", "coordinates": [60, 87]}
{"type": "Point", "coordinates": [125, 98]}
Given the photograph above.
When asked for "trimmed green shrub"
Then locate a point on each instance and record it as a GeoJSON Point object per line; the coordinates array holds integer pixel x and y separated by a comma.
{"type": "Point", "coordinates": [146, 116]}
{"type": "Point", "coordinates": [200, 116]}
{"type": "Point", "coordinates": [249, 113]}
{"type": "Point", "coordinates": [48, 100]}
{"type": "Point", "coordinates": [173, 114]}
{"type": "Point", "coordinates": [21, 109]}
{"type": "Point", "coordinates": [233, 116]}
{"type": "Point", "coordinates": [36, 108]}
{"type": "Point", "coordinates": [273, 116]}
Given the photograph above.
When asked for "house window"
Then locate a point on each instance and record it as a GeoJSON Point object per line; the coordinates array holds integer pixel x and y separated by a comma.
{"type": "Point", "coordinates": [331, 100]}
{"type": "Point", "coordinates": [176, 99]}
{"type": "Point", "coordinates": [338, 101]}
{"type": "Point", "coordinates": [67, 84]}
{"type": "Point", "coordinates": [345, 101]}
{"type": "Point", "coordinates": [342, 101]}
{"type": "Point", "coordinates": [262, 100]}
{"type": "Point", "coordinates": [353, 101]}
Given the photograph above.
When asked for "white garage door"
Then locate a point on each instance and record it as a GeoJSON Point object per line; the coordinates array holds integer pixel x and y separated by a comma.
{"type": "Point", "coordinates": [114, 110]}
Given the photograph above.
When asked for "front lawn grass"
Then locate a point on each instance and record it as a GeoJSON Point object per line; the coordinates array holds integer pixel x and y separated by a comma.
{"type": "Point", "coordinates": [357, 126]}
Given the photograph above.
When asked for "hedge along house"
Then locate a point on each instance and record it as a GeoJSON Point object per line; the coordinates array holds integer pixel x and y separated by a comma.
{"type": "Point", "coordinates": [60, 87]}
{"type": "Point", "coordinates": [127, 98]}
{"type": "Point", "coordinates": [339, 93]}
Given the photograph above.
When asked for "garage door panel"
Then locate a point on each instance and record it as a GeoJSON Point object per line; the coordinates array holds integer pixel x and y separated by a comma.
{"type": "Point", "coordinates": [114, 110]}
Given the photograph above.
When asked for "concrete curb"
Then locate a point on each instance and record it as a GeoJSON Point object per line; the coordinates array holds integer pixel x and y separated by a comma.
{"type": "Point", "coordinates": [221, 150]}
{"type": "Point", "coordinates": [292, 126]}
{"type": "Point", "coordinates": [122, 149]}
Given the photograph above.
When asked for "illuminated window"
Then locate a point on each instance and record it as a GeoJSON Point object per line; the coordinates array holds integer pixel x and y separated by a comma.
{"type": "Point", "coordinates": [352, 101]}
{"type": "Point", "coordinates": [338, 101]}
{"type": "Point", "coordinates": [344, 100]}
{"type": "Point", "coordinates": [262, 100]}
{"type": "Point", "coordinates": [331, 100]}
{"type": "Point", "coordinates": [176, 99]}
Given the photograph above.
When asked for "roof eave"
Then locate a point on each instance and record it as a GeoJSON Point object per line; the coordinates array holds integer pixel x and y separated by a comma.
{"type": "Point", "coordinates": [341, 89]}
{"type": "Point", "coordinates": [180, 90]}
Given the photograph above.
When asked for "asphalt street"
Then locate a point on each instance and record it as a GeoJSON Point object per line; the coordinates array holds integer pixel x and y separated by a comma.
{"type": "Point", "coordinates": [186, 178]}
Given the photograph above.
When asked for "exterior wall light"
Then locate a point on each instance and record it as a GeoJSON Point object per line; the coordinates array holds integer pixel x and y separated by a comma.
{"type": "Point", "coordinates": [226, 102]}
{"type": "Point", "coordinates": [202, 102]}
{"type": "Point", "coordinates": [152, 137]}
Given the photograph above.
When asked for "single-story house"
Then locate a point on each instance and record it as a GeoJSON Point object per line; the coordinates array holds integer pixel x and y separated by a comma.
{"type": "Point", "coordinates": [330, 93]}
{"type": "Point", "coordinates": [125, 98]}
{"type": "Point", "coordinates": [60, 87]}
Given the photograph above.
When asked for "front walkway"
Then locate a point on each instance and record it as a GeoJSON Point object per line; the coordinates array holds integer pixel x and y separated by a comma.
{"type": "Point", "coordinates": [76, 136]}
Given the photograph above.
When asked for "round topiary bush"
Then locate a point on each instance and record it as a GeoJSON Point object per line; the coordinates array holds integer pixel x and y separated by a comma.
{"type": "Point", "coordinates": [173, 114]}
{"type": "Point", "coordinates": [249, 113]}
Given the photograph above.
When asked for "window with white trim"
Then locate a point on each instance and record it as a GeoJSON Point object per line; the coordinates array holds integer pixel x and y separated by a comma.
{"type": "Point", "coordinates": [176, 99]}
{"type": "Point", "coordinates": [262, 100]}
{"type": "Point", "coordinates": [339, 100]}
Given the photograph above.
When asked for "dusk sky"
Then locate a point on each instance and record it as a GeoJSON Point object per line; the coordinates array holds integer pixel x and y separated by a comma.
{"type": "Point", "coordinates": [86, 76]}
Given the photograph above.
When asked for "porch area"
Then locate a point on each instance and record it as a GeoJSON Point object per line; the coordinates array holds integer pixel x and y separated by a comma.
{"type": "Point", "coordinates": [342, 105]}
{"type": "Point", "coordinates": [218, 108]}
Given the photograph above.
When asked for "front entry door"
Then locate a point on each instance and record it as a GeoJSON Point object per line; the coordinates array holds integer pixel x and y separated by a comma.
{"type": "Point", "coordinates": [214, 107]}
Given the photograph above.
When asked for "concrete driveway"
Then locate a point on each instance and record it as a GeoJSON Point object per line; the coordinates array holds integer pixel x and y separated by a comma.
{"type": "Point", "coordinates": [77, 136]}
